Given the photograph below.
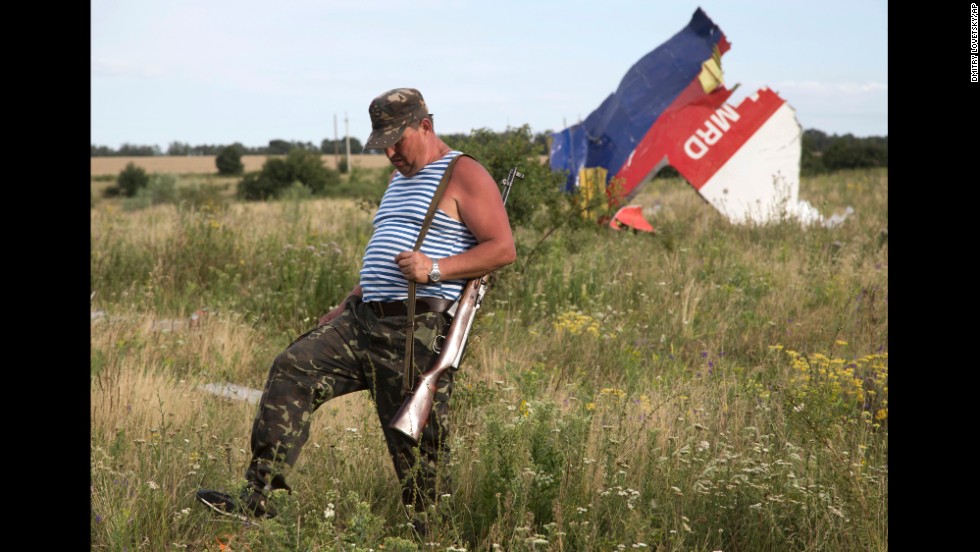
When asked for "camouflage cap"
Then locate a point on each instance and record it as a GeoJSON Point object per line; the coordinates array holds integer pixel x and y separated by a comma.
{"type": "Point", "coordinates": [391, 113]}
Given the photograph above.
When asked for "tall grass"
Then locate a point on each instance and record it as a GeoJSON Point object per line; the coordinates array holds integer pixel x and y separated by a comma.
{"type": "Point", "coordinates": [709, 387]}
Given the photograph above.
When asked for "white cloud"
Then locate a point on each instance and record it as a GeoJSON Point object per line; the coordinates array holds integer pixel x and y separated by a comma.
{"type": "Point", "coordinates": [122, 68]}
{"type": "Point", "coordinates": [832, 87]}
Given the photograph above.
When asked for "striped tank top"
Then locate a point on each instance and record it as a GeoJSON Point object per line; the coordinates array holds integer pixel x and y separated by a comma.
{"type": "Point", "coordinates": [396, 227]}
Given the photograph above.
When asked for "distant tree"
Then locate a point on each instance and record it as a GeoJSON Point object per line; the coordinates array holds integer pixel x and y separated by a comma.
{"type": "Point", "coordinates": [266, 183]}
{"type": "Point", "coordinates": [229, 160]}
{"type": "Point", "coordinates": [327, 146]}
{"type": "Point", "coordinates": [816, 140]}
{"type": "Point", "coordinates": [178, 148]}
{"type": "Point", "coordinates": [811, 162]}
{"type": "Point", "coordinates": [853, 153]}
{"type": "Point", "coordinates": [207, 149]}
{"type": "Point", "coordinates": [543, 141]}
{"type": "Point", "coordinates": [279, 147]}
{"type": "Point", "coordinates": [131, 180]}
{"type": "Point", "coordinates": [132, 150]}
{"type": "Point", "coordinates": [307, 167]}
{"type": "Point", "coordinates": [541, 191]}
{"type": "Point", "coordinates": [811, 151]}
{"type": "Point", "coordinates": [822, 153]}
{"type": "Point", "coordinates": [453, 140]}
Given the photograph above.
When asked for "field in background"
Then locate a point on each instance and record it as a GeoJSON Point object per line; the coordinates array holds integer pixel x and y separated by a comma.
{"type": "Point", "coordinates": [204, 164]}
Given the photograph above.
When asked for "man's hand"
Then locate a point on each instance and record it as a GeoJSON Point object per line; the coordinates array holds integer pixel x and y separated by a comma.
{"type": "Point", "coordinates": [334, 313]}
{"type": "Point", "coordinates": [339, 309]}
{"type": "Point", "coordinates": [415, 266]}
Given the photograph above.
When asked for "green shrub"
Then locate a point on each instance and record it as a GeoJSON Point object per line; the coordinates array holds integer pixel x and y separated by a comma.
{"type": "Point", "coordinates": [162, 188]}
{"type": "Point", "coordinates": [307, 167]}
{"type": "Point", "coordinates": [538, 201]}
{"type": "Point", "coordinates": [197, 196]}
{"type": "Point", "coordinates": [295, 192]}
{"type": "Point", "coordinates": [259, 185]}
{"type": "Point", "coordinates": [853, 153]}
{"type": "Point", "coordinates": [131, 180]}
{"type": "Point", "coordinates": [229, 160]}
{"type": "Point", "coordinates": [277, 174]}
{"type": "Point", "coordinates": [364, 185]}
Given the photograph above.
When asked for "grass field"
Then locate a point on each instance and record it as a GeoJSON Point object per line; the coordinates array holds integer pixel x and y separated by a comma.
{"type": "Point", "coordinates": [708, 387]}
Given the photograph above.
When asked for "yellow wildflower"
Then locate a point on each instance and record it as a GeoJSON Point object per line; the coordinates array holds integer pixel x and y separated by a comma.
{"type": "Point", "coordinates": [619, 393]}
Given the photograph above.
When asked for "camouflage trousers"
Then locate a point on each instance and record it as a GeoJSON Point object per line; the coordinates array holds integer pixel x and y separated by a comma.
{"type": "Point", "coordinates": [356, 351]}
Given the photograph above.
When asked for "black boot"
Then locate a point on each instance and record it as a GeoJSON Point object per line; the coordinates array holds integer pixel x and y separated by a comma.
{"type": "Point", "coordinates": [249, 503]}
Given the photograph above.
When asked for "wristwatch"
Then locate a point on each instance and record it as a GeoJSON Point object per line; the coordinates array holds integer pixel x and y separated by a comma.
{"type": "Point", "coordinates": [434, 274]}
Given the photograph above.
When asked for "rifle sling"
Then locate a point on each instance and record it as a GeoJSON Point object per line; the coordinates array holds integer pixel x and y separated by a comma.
{"type": "Point", "coordinates": [408, 382]}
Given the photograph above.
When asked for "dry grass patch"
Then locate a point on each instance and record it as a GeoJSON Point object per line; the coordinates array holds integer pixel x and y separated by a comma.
{"type": "Point", "coordinates": [205, 164]}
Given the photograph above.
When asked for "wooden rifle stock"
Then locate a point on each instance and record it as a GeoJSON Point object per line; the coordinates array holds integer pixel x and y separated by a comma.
{"type": "Point", "coordinates": [414, 413]}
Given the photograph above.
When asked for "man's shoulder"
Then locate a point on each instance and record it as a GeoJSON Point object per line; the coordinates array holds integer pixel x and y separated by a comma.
{"type": "Point", "coordinates": [466, 157]}
{"type": "Point", "coordinates": [470, 169]}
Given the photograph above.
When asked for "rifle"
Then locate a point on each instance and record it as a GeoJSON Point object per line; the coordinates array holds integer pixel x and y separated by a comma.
{"type": "Point", "coordinates": [414, 412]}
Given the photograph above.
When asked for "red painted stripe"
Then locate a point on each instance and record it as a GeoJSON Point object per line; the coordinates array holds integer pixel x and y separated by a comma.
{"type": "Point", "coordinates": [692, 135]}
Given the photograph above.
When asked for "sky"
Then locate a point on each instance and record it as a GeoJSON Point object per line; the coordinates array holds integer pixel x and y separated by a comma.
{"type": "Point", "coordinates": [222, 71]}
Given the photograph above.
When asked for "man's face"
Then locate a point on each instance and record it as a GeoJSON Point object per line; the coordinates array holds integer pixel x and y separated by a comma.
{"type": "Point", "coordinates": [406, 154]}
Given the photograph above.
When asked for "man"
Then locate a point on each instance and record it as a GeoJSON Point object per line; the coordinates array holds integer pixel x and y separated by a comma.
{"type": "Point", "coordinates": [360, 344]}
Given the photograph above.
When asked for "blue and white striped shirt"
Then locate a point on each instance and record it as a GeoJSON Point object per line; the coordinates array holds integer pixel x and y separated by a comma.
{"type": "Point", "coordinates": [396, 227]}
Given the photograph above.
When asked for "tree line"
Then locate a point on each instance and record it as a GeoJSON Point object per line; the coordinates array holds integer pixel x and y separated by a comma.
{"type": "Point", "coordinates": [274, 147]}
{"type": "Point", "coordinates": [820, 152]}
